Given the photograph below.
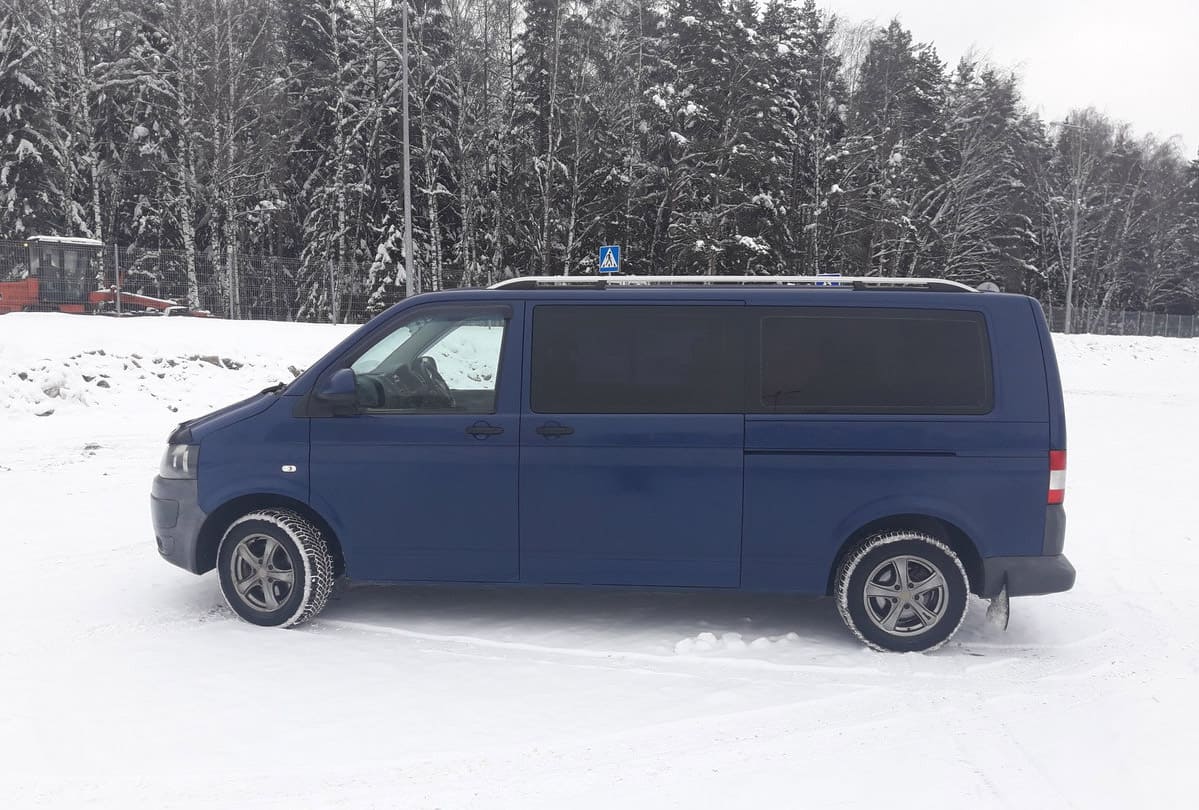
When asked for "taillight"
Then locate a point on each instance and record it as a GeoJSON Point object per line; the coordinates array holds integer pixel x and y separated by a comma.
{"type": "Point", "coordinates": [1057, 476]}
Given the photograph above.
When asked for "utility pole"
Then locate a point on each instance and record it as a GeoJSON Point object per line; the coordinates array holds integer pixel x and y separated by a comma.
{"type": "Point", "coordinates": [1074, 232]}
{"type": "Point", "coordinates": [1074, 210]}
{"type": "Point", "coordinates": [116, 272]}
{"type": "Point", "coordinates": [411, 285]}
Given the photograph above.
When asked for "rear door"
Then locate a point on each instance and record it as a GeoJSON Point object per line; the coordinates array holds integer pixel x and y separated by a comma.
{"type": "Point", "coordinates": [422, 483]}
{"type": "Point", "coordinates": [632, 442]}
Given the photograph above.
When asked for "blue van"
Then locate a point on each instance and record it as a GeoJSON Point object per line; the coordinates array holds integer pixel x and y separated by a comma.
{"type": "Point", "coordinates": [894, 443]}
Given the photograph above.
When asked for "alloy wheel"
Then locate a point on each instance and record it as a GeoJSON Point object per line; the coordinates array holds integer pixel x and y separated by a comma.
{"type": "Point", "coordinates": [905, 595]}
{"type": "Point", "coordinates": [261, 572]}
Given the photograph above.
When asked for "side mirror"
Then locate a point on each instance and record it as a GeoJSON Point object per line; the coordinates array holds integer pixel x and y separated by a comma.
{"type": "Point", "coordinates": [340, 392]}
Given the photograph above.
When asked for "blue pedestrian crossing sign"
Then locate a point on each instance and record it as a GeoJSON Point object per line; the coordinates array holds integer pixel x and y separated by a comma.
{"type": "Point", "coordinates": [609, 259]}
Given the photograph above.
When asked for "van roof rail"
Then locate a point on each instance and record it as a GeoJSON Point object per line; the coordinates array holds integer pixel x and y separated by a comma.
{"type": "Point", "coordinates": [822, 282]}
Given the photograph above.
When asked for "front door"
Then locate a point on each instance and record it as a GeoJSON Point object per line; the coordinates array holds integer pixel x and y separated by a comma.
{"type": "Point", "coordinates": [422, 482]}
{"type": "Point", "coordinates": [632, 445]}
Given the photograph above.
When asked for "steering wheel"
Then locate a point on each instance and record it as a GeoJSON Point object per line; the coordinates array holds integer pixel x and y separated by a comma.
{"type": "Point", "coordinates": [415, 386]}
{"type": "Point", "coordinates": [438, 388]}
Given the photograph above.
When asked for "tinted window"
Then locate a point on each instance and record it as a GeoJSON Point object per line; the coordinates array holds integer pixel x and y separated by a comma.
{"type": "Point", "coordinates": [875, 361]}
{"type": "Point", "coordinates": [637, 359]}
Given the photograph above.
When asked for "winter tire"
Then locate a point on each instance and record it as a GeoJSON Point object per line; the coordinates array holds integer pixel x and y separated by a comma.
{"type": "Point", "coordinates": [902, 591]}
{"type": "Point", "coordinates": [275, 568]}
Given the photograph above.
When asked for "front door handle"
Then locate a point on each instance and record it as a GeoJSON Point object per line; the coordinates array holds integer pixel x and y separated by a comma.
{"type": "Point", "coordinates": [553, 430]}
{"type": "Point", "coordinates": [481, 430]}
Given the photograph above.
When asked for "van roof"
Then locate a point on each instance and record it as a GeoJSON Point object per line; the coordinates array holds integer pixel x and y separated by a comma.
{"type": "Point", "coordinates": [814, 282]}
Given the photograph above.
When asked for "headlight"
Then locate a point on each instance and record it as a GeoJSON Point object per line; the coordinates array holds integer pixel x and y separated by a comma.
{"type": "Point", "coordinates": [179, 461]}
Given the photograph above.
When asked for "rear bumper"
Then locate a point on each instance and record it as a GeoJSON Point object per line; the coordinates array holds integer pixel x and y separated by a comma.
{"type": "Point", "coordinates": [176, 515]}
{"type": "Point", "coordinates": [1026, 576]}
{"type": "Point", "coordinates": [1048, 572]}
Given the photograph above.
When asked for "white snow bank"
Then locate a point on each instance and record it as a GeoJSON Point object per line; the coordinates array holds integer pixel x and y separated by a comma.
{"type": "Point", "coordinates": [1128, 366]}
{"type": "Point", "coordinates": [54, 364]}
{"type": "Point", "coordinates": [732, 642]}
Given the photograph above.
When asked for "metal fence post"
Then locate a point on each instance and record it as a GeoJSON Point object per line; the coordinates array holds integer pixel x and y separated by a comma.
{"type": "Point", "coordinates": [116, 274]}
{"type": "Point", "coordinates": [332, 293]}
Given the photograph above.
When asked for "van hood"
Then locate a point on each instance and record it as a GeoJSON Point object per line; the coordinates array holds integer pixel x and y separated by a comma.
{"type": "Point", "coordinates": [194, 430]}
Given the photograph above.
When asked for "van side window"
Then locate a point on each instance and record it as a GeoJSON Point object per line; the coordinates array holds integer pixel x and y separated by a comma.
{"type": "Point", "coordinates": [840, 360]}
{"type": "Point", "coordinates": [433, 364]}
{"type": "Point", "coordinates": [637, 359]}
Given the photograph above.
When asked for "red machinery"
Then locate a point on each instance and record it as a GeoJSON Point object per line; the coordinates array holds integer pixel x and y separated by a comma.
{"type": "Point", "coordinates": [55, 274]}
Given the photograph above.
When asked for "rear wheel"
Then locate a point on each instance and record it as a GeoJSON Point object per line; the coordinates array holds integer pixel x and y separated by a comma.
{"type": "Point", "coordinates": [902, 591]}
{"type": "Point", "coordinates": [275, 568]}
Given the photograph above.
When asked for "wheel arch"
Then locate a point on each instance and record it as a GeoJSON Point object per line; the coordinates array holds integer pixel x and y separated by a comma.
{"type": "Point", "coordinates": [219, 520]}
{"type": "Point", "coordinates": [937, 527]}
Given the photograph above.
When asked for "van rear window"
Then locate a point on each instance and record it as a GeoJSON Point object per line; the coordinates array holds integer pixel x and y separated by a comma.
{"type": "Point", "coordinates": [637, 359]}
{"type": "Point", "coordinates": [834, 360]}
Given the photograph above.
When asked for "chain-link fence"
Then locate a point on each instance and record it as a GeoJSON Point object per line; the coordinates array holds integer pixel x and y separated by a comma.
{"type": "Point", "coordinates": [262, 287]}
{"type": "Point", "coordinates": [228, 285]}
{"type": "Point", "coordinates": [1102, 321]}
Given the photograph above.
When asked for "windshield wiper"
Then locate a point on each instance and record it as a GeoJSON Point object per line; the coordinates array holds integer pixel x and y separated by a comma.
{"type": "Point", "coordinates": [273, 389]}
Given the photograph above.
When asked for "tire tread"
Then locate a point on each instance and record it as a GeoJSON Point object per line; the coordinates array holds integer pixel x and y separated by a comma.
{"type": "Point", "coordinates": [850, 564]}
{"type": "Point", "coordinates": [314, 556]}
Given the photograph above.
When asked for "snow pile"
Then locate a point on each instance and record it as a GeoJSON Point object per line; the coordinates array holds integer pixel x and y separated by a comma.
{"type": "Point", "coordinates": [1154, 367]}
{"type": "Point", "coordinates": [98, 379]}
{"type": "Point", "coordinates": [466, 358]}
{"type": "Point", "coordinates": [732, 642]}
{"type": "Point", "coordinates": [53, 364]}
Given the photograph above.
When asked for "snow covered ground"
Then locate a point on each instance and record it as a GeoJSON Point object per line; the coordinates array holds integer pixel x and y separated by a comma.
{"type": "Point", "coordinates": [125, 682]}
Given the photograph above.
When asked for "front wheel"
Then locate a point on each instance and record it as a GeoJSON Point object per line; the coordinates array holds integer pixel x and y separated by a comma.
{"type": "Point", "coordinates": [902, 591]}
{"type": "Point", "coordinates": [275, 568]}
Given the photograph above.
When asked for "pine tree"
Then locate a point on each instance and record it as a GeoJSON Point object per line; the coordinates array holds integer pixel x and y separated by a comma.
{"type": "Point", "coordinates": [24, 198]}
{"type": "Point", "coordinates": [326, 99]}
{"type": "Point", "coordinates": [803, 123]}
{"type": "Point", "coordinates": [700, 136]}
{"type": "Point", "coordinates": [704, 136]}
{"type": "Point", "coordinates": [898, 117]}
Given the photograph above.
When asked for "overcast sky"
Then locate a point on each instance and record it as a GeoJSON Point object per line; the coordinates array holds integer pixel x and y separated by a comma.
{"type": "Point", "coordinates": [1136, 61]}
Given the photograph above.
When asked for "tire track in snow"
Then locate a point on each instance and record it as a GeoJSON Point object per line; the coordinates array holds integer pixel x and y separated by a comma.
{"type": "Point", "coordinates": [578, 652]}
{"type": "Point", "coordinates": [961, 677]}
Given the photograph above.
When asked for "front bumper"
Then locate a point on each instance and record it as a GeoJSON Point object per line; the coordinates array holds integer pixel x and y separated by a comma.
{"type": "Point", "coordinates": [177, 518]}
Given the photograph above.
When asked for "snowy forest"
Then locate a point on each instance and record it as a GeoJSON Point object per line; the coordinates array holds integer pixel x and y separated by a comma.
{"type": "Point", "coordinates": [704, 136]}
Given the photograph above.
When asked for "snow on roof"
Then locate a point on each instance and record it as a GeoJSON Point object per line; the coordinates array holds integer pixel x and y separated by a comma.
{"type": "Point", "coordinates": [67, 240]}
